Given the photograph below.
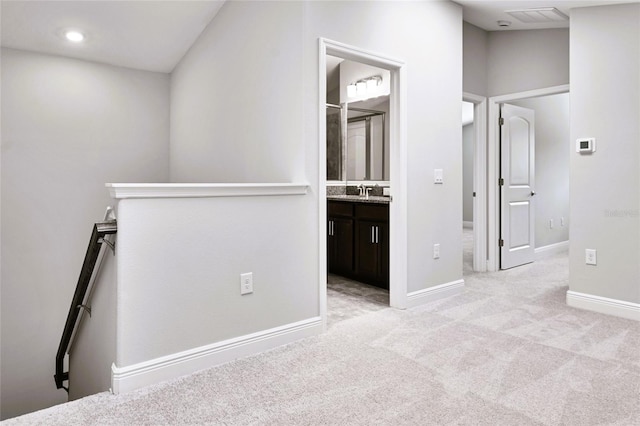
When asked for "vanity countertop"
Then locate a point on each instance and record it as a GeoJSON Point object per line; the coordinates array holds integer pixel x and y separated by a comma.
{"type": "Point", "coordinates": [360, 199]}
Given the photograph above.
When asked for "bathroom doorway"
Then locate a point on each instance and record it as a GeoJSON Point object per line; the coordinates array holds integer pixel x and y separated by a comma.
{"type": "Point", "coordinates": [392, 175]}
{"type": "Point", "coordinates": [357, 189]}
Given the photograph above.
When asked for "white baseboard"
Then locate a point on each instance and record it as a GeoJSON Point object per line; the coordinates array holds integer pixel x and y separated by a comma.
{"type": "Point", "coordinates": [467, 224]}
{"type": "Point", "coordinates": [431, 294]}
{"type": "Point", "coordinates": [125, 379]}
{"type": "Point", "coordinates": [551, 249]}
{"type": "Point", "coordinates": [604, 305]}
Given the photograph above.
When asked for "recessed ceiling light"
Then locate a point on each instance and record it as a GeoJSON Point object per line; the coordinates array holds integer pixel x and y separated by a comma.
{"type": "Point", "coordinates": [74, 36]}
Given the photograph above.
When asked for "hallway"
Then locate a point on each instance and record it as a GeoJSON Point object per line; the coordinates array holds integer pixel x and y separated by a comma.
{"type": "Point", "coordinates": [505, 351]}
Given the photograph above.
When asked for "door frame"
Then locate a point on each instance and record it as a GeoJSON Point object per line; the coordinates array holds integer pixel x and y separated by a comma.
{"type": "Point", "coordinates": [479, 180]}
{"type": "Point", "coordinates": [493, 166]}
{"type": "Point", "coordinates": [397, 162]}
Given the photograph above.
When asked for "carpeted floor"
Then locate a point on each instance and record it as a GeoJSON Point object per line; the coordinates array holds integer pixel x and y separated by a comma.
{"type": "Point", "coordinates": [506, 351]}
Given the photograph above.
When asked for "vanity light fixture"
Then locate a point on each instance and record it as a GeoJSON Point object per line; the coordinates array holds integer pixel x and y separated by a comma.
{"type": "Point", "coordinates": [74, 36]}
{"type": "Point", "coordinates": [364, 87]}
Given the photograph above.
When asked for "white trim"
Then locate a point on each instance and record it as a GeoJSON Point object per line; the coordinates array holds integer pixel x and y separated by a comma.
{"type": "Point", "coordinates": [192, 190]}
{"type": "Point", "coordinates": [431, 294]}
{"type": "Point", "coordinates": [604, 305]}
{"type": "Point", "coordinates": [479, 180]}
{"type": "Point", "coordinates": [551, 249]}
{"type": "Point", "coordinates": [322, 182]}
{"type": "Point", "coordinates": [536, 93]}
{"type": "Point", "coordinates": [398, 210]}
{"type": "Point", "coordinates": [467, 224]}
{"type": "Point", "coordinates": [493, 165]}
{"type": "Point", "coordinates": [125, 379]}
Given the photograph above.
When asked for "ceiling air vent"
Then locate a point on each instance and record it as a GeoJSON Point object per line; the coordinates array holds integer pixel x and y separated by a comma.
{"type": "Point", "coordinates": [538, 15]}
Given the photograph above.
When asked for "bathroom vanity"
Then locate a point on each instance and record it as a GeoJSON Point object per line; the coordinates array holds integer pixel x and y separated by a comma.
{"type": "Point", "coordinates": [358, 238]}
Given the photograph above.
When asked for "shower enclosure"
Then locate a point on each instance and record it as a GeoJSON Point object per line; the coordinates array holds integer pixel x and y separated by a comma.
{"type": "Point", "coordinates": [356, 148]}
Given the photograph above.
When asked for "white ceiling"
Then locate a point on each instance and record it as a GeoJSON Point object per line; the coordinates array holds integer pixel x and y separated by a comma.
{"type": "Point", "coordinates": [155, 34]}
{"type": "Point", "coordinates": [148, 35]}
{"type": "Point", "coordinates": [486, 13]}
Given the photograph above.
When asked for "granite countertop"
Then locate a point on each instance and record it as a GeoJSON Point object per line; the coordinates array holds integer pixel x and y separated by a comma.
{"type": "Point", "coordinates": [360, 199]}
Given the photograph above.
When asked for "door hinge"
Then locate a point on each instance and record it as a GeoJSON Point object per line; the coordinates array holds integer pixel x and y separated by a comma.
{"type": "Point", "coordinates": [501, 242]}
{"type": "Point", "coordinates": [501, 181]}
{"type": "Point", "coordinates": [501, 121]}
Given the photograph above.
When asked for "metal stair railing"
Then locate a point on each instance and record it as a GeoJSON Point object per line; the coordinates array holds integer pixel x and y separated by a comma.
{"type": "Point", "coordinates": [100, 231]}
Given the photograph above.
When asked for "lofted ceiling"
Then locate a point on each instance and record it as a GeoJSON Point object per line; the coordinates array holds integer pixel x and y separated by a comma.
{"type": "Point", "coordinates": [154, 35]}
{"type": "Point", "coordinates": [147, 35]}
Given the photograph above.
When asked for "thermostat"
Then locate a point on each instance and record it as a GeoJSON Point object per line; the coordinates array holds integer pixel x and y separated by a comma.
{"type": "Point", "coordinates": [586, 145]}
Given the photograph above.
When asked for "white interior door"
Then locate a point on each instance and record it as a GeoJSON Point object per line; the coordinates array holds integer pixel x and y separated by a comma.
{"type": "Point", "coordinates": [517, 186]}
{"type": "Point", "coordinates": [356, 150]}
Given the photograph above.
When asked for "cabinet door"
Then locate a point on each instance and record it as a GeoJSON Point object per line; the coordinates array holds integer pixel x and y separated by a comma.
{"type": "Point", "coordinates": [340, 245]}
{"type": "Point", "coordinates": [370, 264]}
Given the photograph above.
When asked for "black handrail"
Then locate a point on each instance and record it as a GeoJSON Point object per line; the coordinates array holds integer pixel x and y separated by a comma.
{"type": "Point", "coordinates": [100, 230]}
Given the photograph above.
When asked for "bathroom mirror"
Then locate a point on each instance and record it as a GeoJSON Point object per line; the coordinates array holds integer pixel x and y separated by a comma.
{"type": "Point", "coordinates": [357, 131]}
{"type": "Point", "coordinates": [366, 148]}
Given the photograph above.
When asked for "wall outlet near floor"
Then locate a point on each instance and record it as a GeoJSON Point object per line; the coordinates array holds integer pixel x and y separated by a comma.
{"type": "Point", "coordinates": [436, 251]}
{"type": "Point", "coordinates": [590, 257]}
{"type": "Point", "coordinates": [562, 221]}
{"type": "Point", "coordinates": [438, 176]}
{"type": "Point", "coordinates": [550, 223]}
{"type": "Point", "coordinates": [246, 283]}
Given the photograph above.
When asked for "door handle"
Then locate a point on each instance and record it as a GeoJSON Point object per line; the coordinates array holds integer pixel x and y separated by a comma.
{"type": "Point", "coordinates": [533, 193]}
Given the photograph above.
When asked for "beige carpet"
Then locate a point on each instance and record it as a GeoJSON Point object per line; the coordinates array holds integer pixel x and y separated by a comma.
{"type": "Point", "coordinates": [507, 351]}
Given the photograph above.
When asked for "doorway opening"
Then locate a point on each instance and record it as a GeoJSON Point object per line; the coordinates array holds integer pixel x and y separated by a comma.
{"type": "Point", "coordinates": [468, 193]}
{"type": "Point", "coordinates": [475, 183]}
{"type": "Point", "coordinates": [546, 203]}
{"type": "Point", "coordinates": [383, 165]}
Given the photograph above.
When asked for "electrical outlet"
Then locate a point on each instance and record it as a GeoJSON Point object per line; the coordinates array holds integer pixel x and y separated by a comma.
{"type": "Point", "coordinates": [246, 283]}
{"type": "Point", "coordinates": [562, 221]}
{"type": "Point", "coordinates": [436, 251]}
{"type": "Point", "coordinates": [550, 223]}
{"type": "Point", "coordinates": [438, 176]}
{"type": "Point", "coordinates": [590, 257]}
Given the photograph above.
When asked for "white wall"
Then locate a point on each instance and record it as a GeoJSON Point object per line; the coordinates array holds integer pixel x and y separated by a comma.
{"type": "Point", "coordinates": [475, 55]}
{"type": "Point", "coordinates": [605, 186]}
{"type": "Point", "coordinates": [236, 112]}
{"type": "Point", "coordinates": [179, 266]}
{"type": "Point", "coordinates": [231, 123]}
{"type": "Point", "coordinates": [525, 60]}
{"type": "Point", "coordinates": [93, 349]}
{"type": "Point", "coordinates": [399, 30]}
{"type": "Point", "coordinates": [553, 146]}
{"type": "Point", "coordinates": [68, 127]}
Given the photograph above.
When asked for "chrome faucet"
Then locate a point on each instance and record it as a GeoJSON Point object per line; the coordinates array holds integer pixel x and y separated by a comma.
{"type": "Point", "coordinates": [367, 190]}
{"type": "Point", "coordinates": [361, 189]}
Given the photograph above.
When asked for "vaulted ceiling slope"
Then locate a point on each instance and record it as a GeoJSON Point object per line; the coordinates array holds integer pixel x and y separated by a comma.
{"type": "Point", "coordinates": [154, 35]}
{"type": "Point", "coordinates": [146, 35]}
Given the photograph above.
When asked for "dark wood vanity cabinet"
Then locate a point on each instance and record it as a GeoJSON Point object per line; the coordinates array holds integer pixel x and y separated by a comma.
{"type": "Point", "coordinates": [358, 241]}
